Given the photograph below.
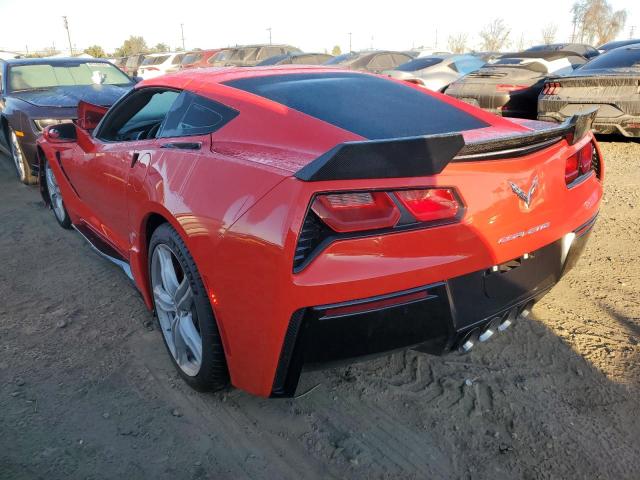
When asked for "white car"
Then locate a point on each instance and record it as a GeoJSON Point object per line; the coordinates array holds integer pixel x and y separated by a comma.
{"type": "Point", "coordinates": [157, 64]}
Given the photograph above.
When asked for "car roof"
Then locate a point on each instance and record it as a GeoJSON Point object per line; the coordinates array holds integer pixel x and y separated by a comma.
{"type": "Point", "coordinates": [52, 61]}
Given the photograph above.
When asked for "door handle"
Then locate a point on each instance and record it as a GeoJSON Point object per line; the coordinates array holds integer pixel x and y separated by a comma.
{"type": "Point", "coordinates": [134, 158]}
{"type": "Point", "coordinates": [183, 145]}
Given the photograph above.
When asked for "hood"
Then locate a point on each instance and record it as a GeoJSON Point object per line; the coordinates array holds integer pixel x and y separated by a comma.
{"type": "Point", "coordinates": [70, 96]}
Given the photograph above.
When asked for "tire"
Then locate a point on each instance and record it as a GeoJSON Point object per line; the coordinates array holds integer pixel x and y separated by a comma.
{"type": "Point", "coordinates": [205, 370]}
{"type": "Point", "coordinates": [55, 198]}
{"type": "Point", "coordinates": [23, 168]}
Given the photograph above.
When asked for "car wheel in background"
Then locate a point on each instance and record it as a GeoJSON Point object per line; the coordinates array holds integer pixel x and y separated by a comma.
{"type": "Point", "coordinates": [23, 169]}
{"type": "Point", "coordinates": [186, 319]}
{"type": "Point", "coordinates": [55, 198]}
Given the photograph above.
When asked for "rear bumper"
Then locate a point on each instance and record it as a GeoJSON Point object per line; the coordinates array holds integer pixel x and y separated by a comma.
{"type": "Point", "coordinates": [627, 125]}
{"type": "Point", "coordinates": [436, 318]}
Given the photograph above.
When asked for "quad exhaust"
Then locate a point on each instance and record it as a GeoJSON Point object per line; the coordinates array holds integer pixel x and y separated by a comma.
{"type": "Point", "coordinates": [496, 325]}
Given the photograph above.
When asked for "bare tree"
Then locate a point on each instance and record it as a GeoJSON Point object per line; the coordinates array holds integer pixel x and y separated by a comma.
{"type": "Point", "coordinates": [596, 21]}
{"type": "Point", "coordinates": [495, 36]}
{"type": "Point", "coordinates": [457, 43]}
{"type": "Point", "coordinates": [549, 33]}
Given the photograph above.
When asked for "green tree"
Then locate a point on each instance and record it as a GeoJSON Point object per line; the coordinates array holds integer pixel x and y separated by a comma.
{"type": "Point", "coordinates": [596, 21]}
{"type": "Point", "coordinates": [95, 51]}
{"type": "Point", "coordinates": [132, 46]}
{"type": "Point", "coordinates": [161, 47]}
{"type": "Point", "coordinates": [336, 51]}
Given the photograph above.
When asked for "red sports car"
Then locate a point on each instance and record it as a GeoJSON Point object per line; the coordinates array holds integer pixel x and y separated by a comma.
{"type": "Point", "coordinates": [277, 218]}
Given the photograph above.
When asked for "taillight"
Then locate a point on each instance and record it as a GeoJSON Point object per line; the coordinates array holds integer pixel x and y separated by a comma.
{"type": "Point", "coordinates": [357, 211]}
{"type": "Point", "coordinates": [429, 205]}
{"type": "Point", "coordinates": [551, 88]}
{"type": "Point", "coordinates": [504, 87]}
{"type": "Point", "coordinates": [578, 164]}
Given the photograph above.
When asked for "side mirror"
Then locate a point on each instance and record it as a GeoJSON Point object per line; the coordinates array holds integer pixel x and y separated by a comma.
{"type": "Point", "coordinates": [89, 115]}
{"type": "Point", "coordinates": [61, 133]}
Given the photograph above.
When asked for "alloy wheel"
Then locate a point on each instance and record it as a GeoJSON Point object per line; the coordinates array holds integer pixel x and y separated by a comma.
{"type": "Point", "coordinates": [16, 152]}
{"type": "Point", "coordinates": [175, 309]}
{"type": "Point", "coordinates": [54, 194]}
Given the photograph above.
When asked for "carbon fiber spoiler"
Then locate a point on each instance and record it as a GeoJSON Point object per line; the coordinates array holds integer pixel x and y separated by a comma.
{"type": "Point", "coordinates": [430, 154]}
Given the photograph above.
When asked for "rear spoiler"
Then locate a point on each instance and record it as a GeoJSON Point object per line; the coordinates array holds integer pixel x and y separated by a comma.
{"type": "Point", "coordinates": [430, 154]}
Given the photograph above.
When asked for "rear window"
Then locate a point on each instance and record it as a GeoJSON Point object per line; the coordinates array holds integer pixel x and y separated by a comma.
{"type": "Point", "coordinates": [618, 58]}
{"type": "Point", "coordinates": [157, 60]}
{"type": "Point", "coordinates": [419, 64]}
{"type": "Point", "coordinates": [369, 106]}
{"type": "Point", "coordinates": [341, 58]}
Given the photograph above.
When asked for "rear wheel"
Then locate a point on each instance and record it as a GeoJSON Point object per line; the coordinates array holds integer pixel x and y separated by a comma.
{"type": "Point", "coordinates": [188, 326]}
{"type": "Point", "coordinates": [23, 169]}
{"type": "Point", "coordinates": [55, 197]}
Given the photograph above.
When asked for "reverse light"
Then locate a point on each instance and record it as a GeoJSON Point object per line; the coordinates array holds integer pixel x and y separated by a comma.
{"type": "Point", "coordinates": [579, 164]}
{"type": "Point", "coordinates": [356, 211]}
{"type": "Point", "coordinates": [430, 205]}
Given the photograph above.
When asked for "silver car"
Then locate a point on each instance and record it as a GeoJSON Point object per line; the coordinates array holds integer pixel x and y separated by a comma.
{"type": "Point", "coordinates": [436, 72]}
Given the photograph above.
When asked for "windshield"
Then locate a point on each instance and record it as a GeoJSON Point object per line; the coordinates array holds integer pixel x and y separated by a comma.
{"type": "Point", "coordinates": [341, 58]}
{"type": "Point", "coordinates": [618, 58]}
{"type": "Point", "coordinates": [34, 77]}
{"type": "Point", "coordinates": [155, 60]}
{"type": "Point", "coordinates": [419, 64]}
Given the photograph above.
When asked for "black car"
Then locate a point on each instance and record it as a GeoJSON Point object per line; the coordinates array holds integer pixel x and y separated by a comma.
{"type": "Point", "coordinates": [610, 83]}
{"type": "Point", "coordinates": [617, 44]}
{"type": "Point", "coordinates": [582, 49]}
{"type": "Point", "coordinates": [375, 62]}
{"type": "Point", "coordinates": [296, 58]}
{"type": "Point", "coordinates": [510, 86]}
{"type": "Point", "coordinates": [37, 92]}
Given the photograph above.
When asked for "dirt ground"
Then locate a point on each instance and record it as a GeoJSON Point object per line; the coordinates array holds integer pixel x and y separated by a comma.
{"type": "Point", "coordinates": [87, 390]}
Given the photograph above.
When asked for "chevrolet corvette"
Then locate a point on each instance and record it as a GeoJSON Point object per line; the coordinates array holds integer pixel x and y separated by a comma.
{"type": "Point", "coordinates": [280, 218]}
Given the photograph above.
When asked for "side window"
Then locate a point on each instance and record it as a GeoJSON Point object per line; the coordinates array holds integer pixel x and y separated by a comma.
{"type": "Point", "coordinates": [139, 116]}
{"type": "Point", "coordinates": [400, 59]}
{"type": "Point", "coordinates": [1, 88]}
{"type": "Point", "coordinates": [192, 114]}
{"type": "Point", "coordinates": [177, 60]}
{"type": "Point", "coordinates": [468, 65]}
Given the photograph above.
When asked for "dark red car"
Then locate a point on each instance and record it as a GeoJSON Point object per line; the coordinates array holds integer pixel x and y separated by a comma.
{"type": "Point", "coordinates": [198, 58]}
{"type": "Point", "coordinates": [277, 218]}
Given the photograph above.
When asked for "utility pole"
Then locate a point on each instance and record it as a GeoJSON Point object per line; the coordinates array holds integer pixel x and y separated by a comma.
{"type": "Point", "coordinates": [350, 34]}
{"type": "Point", "coordinates": [66, 26]}
{"type": "Point", "coordinates": [632, 31]}
{"type": "Point", "coordinates": [269, 30]}
{"type": "Point", "coordinates": [182, 33]}
{"type": "Point", "coordinates": [436, 45]}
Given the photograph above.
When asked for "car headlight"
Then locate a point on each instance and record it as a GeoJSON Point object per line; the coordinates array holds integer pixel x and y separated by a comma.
{"type": "Point", "coordinates": [42, 123]}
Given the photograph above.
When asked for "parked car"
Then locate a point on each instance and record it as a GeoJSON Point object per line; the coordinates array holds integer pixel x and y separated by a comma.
{"type": "Point", "coordinates": [374, 62]}
{"type": "Point", "coordinates": [36, 93]}
{"type": "Point", "coordinates": [198, 58]}
{"type": "Point", "coordinates": [272, 220]}
{"type": "Point", "coordinates": [132, 64]}
{"type": "Point", "coordinates": [297, 59]}
{"type": "Point", "coordinates": [251, 55]}
{"type": "Point", "coordinates": [437, 71]}
{"type": "Point", "coordinates": [617, 44]}
{"type": "Point", "coordinates": [156, 64]}
{"type": "Point", "coordinates": [608, 83]}
{"type": "Point", "coordinates": [510, 87]}
{"type": "Point", "coordinates": [582, 49]}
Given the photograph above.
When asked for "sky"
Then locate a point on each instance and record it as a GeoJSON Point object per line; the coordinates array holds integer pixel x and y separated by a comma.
{"type": "Point", "coordinates": [312, 26]}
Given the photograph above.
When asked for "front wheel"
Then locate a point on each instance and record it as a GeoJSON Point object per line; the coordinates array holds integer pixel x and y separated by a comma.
{"type": "Point", "coordinates": [184, 312]}
{"type": "Point", "coordinates": [23, 169]}
{"type": "Point", "coordinates": [55, 198]}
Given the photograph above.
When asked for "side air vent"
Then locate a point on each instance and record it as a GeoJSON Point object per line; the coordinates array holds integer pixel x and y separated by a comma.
{"type": "Point", "coordinates": [312, 233]}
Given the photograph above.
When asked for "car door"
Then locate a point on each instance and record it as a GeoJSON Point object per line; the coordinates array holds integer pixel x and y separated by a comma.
{"type": "Point", "coordinates": [126, 137]}
{"type": "Point", "coordinates": [4, 141]}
